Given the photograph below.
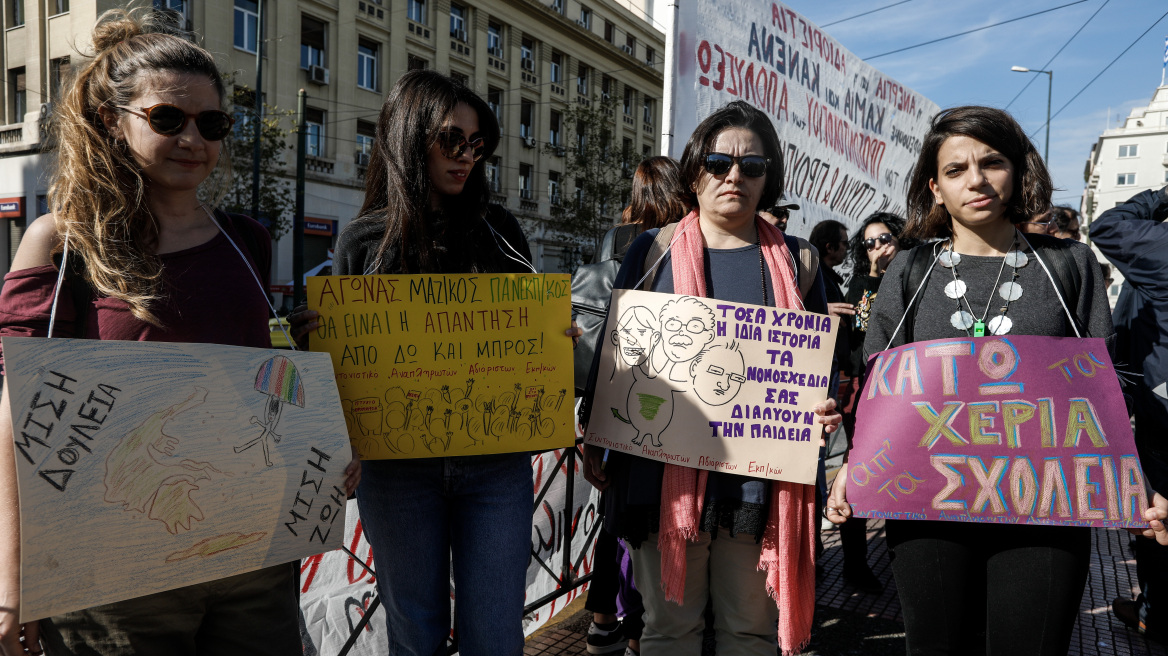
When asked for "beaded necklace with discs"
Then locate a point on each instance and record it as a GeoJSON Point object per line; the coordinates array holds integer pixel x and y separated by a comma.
{"type": "Point", "coordinates": [1009, 291]}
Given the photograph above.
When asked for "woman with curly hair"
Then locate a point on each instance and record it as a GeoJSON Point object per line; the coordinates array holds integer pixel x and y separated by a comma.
{"type": "Point", "coordinates": [138, 131]}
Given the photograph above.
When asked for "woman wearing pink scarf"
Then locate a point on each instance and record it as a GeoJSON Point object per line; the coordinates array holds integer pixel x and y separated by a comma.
{"type": "Point", "coordinates": [745, 544]}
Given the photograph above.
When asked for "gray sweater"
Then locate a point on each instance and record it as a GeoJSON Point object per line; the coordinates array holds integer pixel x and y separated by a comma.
{"type": "Point", "coordinates": [1037, 312]}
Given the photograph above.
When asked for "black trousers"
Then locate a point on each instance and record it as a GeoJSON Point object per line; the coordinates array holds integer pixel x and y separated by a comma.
{"type": "Point", "coordinates": [607, 584]}
{"type": "Point", "coordinates": [988, 589]}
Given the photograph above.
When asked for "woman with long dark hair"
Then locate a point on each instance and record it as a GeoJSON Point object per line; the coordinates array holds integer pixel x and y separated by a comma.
{"type": "Point", "coordinates": [427, 210]}
{"type": "Point", "coordinates": [138, 130]}
{"type": "Point", "coordinates": [981, 588]}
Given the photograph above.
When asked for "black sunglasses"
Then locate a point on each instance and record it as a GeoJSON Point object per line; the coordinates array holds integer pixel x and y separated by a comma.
{"type": "Point", "coordinates": [454, 144]}
{"type": "Point", "coordinates": [752, 166]}
{"type": "Point", "coordinates": [169, 120]}
{"type": "Point", "coordinates": [885, 238]}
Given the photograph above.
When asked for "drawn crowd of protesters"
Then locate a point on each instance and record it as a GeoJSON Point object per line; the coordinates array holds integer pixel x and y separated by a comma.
{"type": "Point", "coordinates": [140, 127]}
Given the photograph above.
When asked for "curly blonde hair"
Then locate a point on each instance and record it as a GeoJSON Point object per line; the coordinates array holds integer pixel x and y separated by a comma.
{"type": "Point", "coordinates": [98, 190]}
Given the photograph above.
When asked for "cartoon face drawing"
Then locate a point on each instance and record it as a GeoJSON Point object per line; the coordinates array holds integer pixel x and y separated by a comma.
{"type": "Point", "coordinates": [635, 335]}
{"type": "Point", "coordinates": [687, 326]}
{"type": "Point", "coordinates": [717, 374]}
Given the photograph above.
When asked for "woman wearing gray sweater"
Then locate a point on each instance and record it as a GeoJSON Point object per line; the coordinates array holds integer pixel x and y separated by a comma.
{"type": "Point", "coordinates": [979, 588]}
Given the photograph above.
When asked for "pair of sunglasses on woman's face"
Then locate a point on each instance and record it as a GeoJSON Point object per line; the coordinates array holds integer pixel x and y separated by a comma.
{"type": "Point", "coordinates": [453, 144]}
{"type": "Point", "coordinates": [752, 166]}
{"type": "Point", "coordinates": [169, 120]}
{"type": "Point", "coordinates": [882, 239]}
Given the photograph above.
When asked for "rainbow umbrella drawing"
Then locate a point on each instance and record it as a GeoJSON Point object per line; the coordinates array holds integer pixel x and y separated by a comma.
{"type": "Point", "coordinates": [278, 379]}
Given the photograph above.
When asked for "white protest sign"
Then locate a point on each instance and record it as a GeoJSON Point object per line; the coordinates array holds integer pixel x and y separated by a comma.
{"type": "Point", "coordinates": [850, 134]}
{"type": "Point", "coordinates": [148, 466]}
{"type": "Point", "coordinates": [711, 384]}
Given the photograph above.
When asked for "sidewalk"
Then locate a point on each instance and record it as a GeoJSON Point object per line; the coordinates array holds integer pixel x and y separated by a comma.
{"type": "Point", "coordinates": [848, 622]}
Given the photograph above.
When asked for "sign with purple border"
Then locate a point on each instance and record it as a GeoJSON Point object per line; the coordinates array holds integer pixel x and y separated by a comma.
{"type": "Point", "coordinates": [1013, 430]}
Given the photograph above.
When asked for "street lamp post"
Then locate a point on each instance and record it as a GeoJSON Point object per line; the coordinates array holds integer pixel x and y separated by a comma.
{"type": "Point", "coordinates": [1049, 86]}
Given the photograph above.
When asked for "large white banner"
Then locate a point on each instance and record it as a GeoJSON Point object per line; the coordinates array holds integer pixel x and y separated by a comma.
{"type": "Point", "coordinates": [850, 133]}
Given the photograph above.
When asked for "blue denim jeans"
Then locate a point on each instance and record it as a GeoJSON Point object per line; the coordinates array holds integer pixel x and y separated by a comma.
{"type": "Point", "coordinates": [420, 516]}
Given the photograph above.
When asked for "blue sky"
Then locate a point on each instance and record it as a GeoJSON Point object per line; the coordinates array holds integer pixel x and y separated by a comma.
{"type": "Point", "coordinates": [975, 69]}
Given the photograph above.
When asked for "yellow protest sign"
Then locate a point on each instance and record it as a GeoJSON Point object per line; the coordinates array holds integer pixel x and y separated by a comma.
{"type": "Point", "coordinates": [446, 365]}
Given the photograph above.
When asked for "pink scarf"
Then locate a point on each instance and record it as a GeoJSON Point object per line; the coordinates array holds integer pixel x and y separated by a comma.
{"type": "Point", "coordinates": [788, 545]}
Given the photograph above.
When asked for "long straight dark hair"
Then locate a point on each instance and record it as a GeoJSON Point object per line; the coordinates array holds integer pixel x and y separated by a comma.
{"type": "Point", "coordinates": [397, 182]}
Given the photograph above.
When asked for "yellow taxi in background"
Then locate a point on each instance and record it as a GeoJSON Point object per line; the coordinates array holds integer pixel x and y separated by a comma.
{"type": "Point", "coordinates": [278, 339]}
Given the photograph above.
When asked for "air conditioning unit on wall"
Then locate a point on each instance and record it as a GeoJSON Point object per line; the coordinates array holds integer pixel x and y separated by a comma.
{"type": "Point", "coordinates": [318, 74]}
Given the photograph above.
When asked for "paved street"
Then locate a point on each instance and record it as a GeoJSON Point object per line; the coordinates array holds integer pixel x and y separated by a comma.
{"type": "Point", "coordinates": [851, 623]}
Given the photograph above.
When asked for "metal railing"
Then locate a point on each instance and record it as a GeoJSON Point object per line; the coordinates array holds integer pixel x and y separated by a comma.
{"type": "Point", "coordinates": [566, 580]}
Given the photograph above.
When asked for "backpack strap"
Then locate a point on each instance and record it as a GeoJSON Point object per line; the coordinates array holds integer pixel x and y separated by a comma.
{"type": "Point", "coordinates": [914, 274]}
{"type": "Point", "coordinates": [656, 252]}
{"type": "Point", "coordinates": [1065, 275]}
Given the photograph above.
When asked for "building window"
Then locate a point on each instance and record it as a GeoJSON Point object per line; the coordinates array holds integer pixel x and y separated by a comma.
{"type": "Point", "coordinates": [581, 138]}
{"type": "Point", "coordinates": [1128, 151]}
{"type": "Point", "coordinates": [314, 132]}
{"type": "Point", "coordinates": [18, 103]}
{"type": "Point", "coordinates": [557, 68]}
{"type": "Point", "coordinates": [648, 113]}
{"type": "Point", "coordinates": [554, 187]}
{"type": "Point", "coordinates": [582, 80]}
{"type": "Point", "coordinates": [247, 25]}
{"type": "Point", "coordinates": [1125, 179]}
{"type": "Point", "coordinates": [606, 87]}
{"type": "Point", "coordinates": [58, 71]}
{"type": "Point", "coordinates": [609, 32]}
{"type": "Point", "coordinates": [414, 63]}
{"type": "Point", "coordinates": [495, 102]}
{"type": "Point", "coordinates": [461, 78]}
{"type": "Point", "coordinates": [177, 6]}
{"type": "Point", "coordinates": [493, 166]}
{"type": "Point", "coordinates": [525, 181]}
{"type": "Point", "coordinates": [243, 101]}
{"type": "Point", "coordinates": [556, 121]}
{"type": "Point", "coordinates": [646, 151]}
{"type": "Point", "coordinates": [527, 54]}
{"type": "Point", "coordinates": [585, 18]}
{"type": "Point", "coordinates": [312, 42]}
{"type": "Point", "coordinates": [58, 7]}
{"type": "Point", "coordinates": [15, 13]}
{"type": "Point", "coordinates": [650, 56]}
{"type": "Point", "coordinates": [366, 133]}
{"type": "Point", "coordinates": [416, 11]}
{"type": "Point", "coordinates": [458, 22]}
{"type": "Point", "coordinates": [495, 40]}
{"type": "Point", "coordinates": [630, 44]}
{"type": "Point", "coordinates": [626, 155]}
{"type": "Point", "coordinates": [527, 119]}
{"type": "Point", "coordinates": [367, 64]}
{"type": "Point", "coordinates": [630, 100]}
{"type": "Point", "coordinates": [558, 6]}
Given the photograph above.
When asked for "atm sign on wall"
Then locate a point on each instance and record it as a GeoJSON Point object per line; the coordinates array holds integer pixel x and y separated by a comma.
{"type": "Point", "coordinates": [323, 227]}
{"type": "Point", "coordinates": [12, 208]}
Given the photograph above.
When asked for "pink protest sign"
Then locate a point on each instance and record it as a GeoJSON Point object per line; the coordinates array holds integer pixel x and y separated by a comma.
{"type": "Point", "coordinates": [1017, 430]}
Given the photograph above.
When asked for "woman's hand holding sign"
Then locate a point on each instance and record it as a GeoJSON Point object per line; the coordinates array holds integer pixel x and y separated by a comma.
{"type": "Point", "coordinates": [837, 510]}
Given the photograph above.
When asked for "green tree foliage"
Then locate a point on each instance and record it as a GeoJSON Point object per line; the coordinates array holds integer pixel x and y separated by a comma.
{"type": "Point", "coordinates": [598, 173]}
{"type": "Point", "coordinates": [231, 186]}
